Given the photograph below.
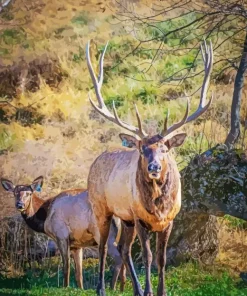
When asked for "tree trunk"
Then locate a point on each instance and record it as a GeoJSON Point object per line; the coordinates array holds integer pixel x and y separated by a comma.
{"type": "Point", "coordinates": [236, 100]}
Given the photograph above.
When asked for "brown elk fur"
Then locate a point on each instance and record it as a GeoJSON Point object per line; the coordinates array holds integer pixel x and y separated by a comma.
{"type": "Point", "coordinates": [158, 199]}
{"type": "Point", "coordinates": [151, 194]}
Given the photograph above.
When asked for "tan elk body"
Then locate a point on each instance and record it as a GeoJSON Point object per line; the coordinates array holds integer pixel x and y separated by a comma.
{"type": "Point", "coordinates": [133, 198]}
{"type": "Point", "coordinates": [69, 220]}
{"type": "Point", "coordinates": [139, 183]}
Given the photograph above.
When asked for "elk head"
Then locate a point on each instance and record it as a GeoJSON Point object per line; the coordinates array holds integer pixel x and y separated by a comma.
{"type": "Point", "coordinates": [23, 193]}
{"type": "Point", "coordinates": [153, 149]}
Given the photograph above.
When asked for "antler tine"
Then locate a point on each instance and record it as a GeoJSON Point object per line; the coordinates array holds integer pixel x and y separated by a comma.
{"type": "Point", "coordinates": [138, 131]}
{"type": "Point", "coordinates": [139, 122]}
{"type": "Point", "coordinates": [96, 107]}
{"type": "Point", "coordinates": [96, 84]}
{"type": "Point", "coordinates": [208, 65]}
{"type": "Point", "coordinates": [102, 109]}
{"type": "Point", "coordinates": [101, 64]}
{"type": "Point", "coordinates": [207, 56]}
{"type": "Point", "coordinates": [166, 131]}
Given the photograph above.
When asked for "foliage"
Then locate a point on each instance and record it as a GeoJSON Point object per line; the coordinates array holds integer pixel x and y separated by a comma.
{"type": "Point", "coordinates": [14, 135]}
{"type": "Point", "coordinates": [13, 36]}
{"type": "Point", "coordinates": [119, 86]}
{"type": "Point", "coordinates": [234, 222]}
{"type": "Point", "coordinates": [118, 101]}
{"type": "Point", "coordinates": [189, 280]}
{"type": "Point", "coordinates": [81, 19]}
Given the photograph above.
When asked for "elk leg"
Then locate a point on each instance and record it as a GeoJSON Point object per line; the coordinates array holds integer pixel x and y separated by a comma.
{"type": "Point", "coordinates": [114, 253]}
{"type": "Point", "coordinates": [161, 244]}
{"type": "Point", "coordinates": [124, 246]}
{"type": "Point", "coordinates": [104, 229]}
{"type": "Point", "coordinates": [147, 256]}
{"type": "Point", "coordinates": [64, 249]}
{"type": "Point", "coordinates": [78, 257]}
{"type": "Point", "coordinates": [123, 277]}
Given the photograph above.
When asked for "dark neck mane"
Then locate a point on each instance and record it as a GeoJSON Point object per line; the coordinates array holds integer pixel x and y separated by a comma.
{"type": "Point", "coordinates": [157, 196]}
{"type": "Point", "coordinates": [36, 221]}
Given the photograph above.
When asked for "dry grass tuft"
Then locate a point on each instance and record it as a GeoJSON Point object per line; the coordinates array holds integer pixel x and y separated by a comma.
{"type": "Point", "coordinates": [232, 249]}
{"type": "Point", "coordinates": [19, 245]}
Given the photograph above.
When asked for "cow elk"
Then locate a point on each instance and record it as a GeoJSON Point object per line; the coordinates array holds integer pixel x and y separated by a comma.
{"type": "Point", "coordinates": [139, 183]}
{"type": "Point", "coordinates": [67, 219]}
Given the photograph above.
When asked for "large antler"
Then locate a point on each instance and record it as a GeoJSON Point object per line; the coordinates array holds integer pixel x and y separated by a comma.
{"type": "Point", "coordinates": [102, 109]}
{"type": "Point", "coordinates": [207, 57]}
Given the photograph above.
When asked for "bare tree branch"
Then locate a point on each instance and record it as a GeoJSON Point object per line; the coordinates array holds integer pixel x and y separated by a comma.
{"type": "Point", "coordinates": [4, 4]}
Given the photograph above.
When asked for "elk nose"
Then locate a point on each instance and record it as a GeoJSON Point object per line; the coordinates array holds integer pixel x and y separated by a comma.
{"type": "Point", "coordinates": [154, 167]}
{"type": "Point", "coordinates": [19, 205]}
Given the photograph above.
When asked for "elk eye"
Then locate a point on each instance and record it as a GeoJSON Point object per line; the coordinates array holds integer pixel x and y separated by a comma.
{"type": "Point", "coordinates": [142, 150]}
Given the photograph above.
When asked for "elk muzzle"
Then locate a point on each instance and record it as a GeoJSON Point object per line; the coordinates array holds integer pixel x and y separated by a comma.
{"type": "Point", "coordinates": [154, 170]}
{"type": "Point", "coordinates": [20, 206]}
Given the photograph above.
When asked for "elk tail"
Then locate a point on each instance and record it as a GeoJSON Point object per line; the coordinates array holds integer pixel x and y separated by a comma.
{"type": "Point", "coordinates": [117, 227]}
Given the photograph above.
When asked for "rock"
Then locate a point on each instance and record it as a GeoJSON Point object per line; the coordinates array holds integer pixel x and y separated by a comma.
{"type": "Point", "coordinates": [215, 183]}
{"type": "Point", "coordinates": [193, 237]}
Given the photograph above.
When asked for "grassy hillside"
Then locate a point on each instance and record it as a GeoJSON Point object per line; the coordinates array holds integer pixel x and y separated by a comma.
{"type": "Point", "coordinates": [60, 116]}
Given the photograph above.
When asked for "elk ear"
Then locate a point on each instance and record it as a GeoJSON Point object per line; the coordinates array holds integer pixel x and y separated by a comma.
{"type": "Point", "coordinates": [7, 185]}
{"type": "Point", "coordinates": [37, 184]}
{"type": "Point", "coordinates": [176, 141]}
{"type": "Point", "coordinates": [129, 141]}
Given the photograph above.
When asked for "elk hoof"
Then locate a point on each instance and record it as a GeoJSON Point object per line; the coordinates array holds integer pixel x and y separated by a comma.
{"type": "Point", "coordinates": [148, 294]}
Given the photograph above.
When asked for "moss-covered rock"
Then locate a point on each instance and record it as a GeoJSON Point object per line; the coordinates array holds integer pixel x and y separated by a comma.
{"type": "Point", "coordinates": [215, 182]}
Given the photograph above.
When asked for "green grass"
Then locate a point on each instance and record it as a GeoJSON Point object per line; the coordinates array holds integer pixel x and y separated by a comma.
{"type": "Point", "coordinates": [233, 222]}
{"type": "Point", "coordinates": [188, 280]}
{"type": "Point", "coordinates": [7, 139]}
{"type": "Point", "coordinates": [80, 20]}
{"type": "Point", "coordinates": [13, 36]}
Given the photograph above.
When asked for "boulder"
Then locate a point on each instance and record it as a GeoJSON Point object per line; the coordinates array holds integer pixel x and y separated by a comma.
{"type": "Point", "coordinates": [215, 183]}
{"type": "Point", "coordinates": [193, 237]}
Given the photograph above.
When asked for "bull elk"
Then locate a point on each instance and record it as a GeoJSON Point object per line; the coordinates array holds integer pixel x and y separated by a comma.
{"type": "Point", "coordinates": [67, 219]}
{"type": "Point", "coordinates": [139, 183]}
